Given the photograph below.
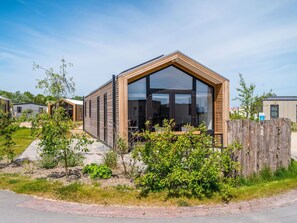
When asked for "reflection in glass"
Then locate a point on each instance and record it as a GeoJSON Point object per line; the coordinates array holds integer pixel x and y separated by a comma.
{"type": "Point", "coordinates": [171, 78]}
{"type": "Point", "coordinates": [137, 104]}
{"type": "Point", "coordinates": [160, 108]}
{"type": "Point", "coordinates": [204, 104]}
{"type": "Point", "coordinates": [182, 110]}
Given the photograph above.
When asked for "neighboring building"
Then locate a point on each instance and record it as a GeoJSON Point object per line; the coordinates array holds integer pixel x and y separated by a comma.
{"type": "Point", "coordinates": [31, 109]}
{"type": "Point", "coordinates": [280, 107]}
{"type": "Point", "coordinates": [4, 104]}
{"type": "Point", "coordinates": [168, 87]}
{"type": "Point", "coordinates": [74, 108]}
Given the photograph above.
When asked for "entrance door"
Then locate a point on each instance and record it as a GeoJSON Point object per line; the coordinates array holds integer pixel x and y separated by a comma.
{"type": "Point", "coordinates": [173, 105]}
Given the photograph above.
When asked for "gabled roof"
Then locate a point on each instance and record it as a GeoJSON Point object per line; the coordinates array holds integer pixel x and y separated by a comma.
{"type": "Point", "coordinates": [175, 58]}
{"type": "Point", "coordinates": [281, 98]}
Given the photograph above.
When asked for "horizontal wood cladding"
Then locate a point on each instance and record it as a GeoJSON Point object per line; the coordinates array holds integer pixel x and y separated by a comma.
{"type": "Point", "coordinates": [91, 123]}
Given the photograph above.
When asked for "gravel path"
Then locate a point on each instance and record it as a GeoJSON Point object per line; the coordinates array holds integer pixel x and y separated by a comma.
{"type": "Point", "coordinates": [94, 155]}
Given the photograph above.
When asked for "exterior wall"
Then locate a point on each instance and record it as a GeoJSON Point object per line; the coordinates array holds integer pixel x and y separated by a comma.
{"type": "Point", "coordinates": [25, 107]}
{"type": "Point", "coordinates": [287, 109]}
{"type": "Point", "coordinates": [91, 123]}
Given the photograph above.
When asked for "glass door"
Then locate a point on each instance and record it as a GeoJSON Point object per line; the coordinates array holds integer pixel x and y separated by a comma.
{"type": "Point", "coordinates": [182, 112]}
{"type": "Point", "coordinates": [160, 108]}
{"type": "Point", "coordinates": [172, 105]}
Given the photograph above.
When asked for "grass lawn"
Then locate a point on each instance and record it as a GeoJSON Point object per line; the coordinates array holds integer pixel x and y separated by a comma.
{"type": "Point", "coordinates": [263, 185]}
{"type": "Point", "coordinates": [22, 138]}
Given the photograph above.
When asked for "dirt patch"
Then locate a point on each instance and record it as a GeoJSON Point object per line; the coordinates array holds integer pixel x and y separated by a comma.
{"type": "Point", "coordinates": [31, 169]}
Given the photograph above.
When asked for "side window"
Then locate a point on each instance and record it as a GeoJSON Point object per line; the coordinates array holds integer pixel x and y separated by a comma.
{"type": "Point", "coordinates": [90, 108]}
{"type": "Point", "coordinates": [274, 111]}
{"type": "Point", "coordinates": [40, 109]}
{"type": "Point", "coordinates": [85, 109]}
{"type": "Point", "coordinates": [19, 109]}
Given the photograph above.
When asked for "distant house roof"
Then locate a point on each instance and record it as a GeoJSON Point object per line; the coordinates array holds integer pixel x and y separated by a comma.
{"type": "Point", "coordinates": [4, 98]}
{"type": "Point", "coordinates": [76, 102]}
{"type": "Point", "coordinates": [281, 98]}
{"type": "Point", "coordinates": [29, 103]}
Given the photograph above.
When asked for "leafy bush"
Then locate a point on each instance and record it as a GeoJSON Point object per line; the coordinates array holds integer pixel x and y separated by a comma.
{"type": "Point", "coordinates": [185, 165]}
{"type": "Point", "coordinates": [74, 159]}
{"type": "Point", "coordinates": [97, 171]}
{"type": "Point", "coordinates": [7, 127]}
{"type": "Point", "coordinates": [48, 161]}
{"type": "Point", "coordinates": [110, 159]}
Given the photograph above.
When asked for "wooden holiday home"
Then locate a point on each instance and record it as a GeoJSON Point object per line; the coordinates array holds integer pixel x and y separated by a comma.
{"type": "Point", "coordinates": [173, 86]}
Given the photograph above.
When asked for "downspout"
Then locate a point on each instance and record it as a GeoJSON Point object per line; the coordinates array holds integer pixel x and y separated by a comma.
{"type": "Point", "coordinates": [114, 108]}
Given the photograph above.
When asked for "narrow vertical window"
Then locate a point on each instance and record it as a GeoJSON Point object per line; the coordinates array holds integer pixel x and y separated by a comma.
{"type": "Point", "coordinates": [85, 110]}
{"type": "Point", "coordinates": [90, 108]}
{"type": "Point", "coordinates": [98, 117]}
{"type": "Point", "coordinates": [105, 117]}
{"type": "Point", "coordinates": [274, 111]}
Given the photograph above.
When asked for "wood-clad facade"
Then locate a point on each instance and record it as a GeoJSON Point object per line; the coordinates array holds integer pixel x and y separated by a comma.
{"type": "Point", "coordinates": [192, 93]}
{"type": "Point", "coordinates": [74, 108]}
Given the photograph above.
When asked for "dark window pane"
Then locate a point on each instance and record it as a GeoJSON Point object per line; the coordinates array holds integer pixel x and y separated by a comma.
{"type": "Point", "coordinates": [105, 117]}
{"type": "Point", "coordinates": [274, 111]}
{"type": "Point", "coordinates": [171, 78]}
{"type": "Point", "coordinates": [204, 104]}
{"type": "Point", "coordinates": [137, 104]}
{"type": "Point", "coordinates": [160, 108]}
{"type": "Point", "coordinates": [182, 110]}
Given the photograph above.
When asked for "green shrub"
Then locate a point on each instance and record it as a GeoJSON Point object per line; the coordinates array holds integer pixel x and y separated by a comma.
{"type": "Point", "coordinates": [48, 161]}
{"type": "Point", "coordinates": [96, 171]}
{"type": "Point", "coordinates": [74, 159]}
{"type": "Point", "coordinates": [110, 159]}
{"type": "Point", "coordinates": [182, 203]}
{"type": "Point", "coordinates": [185, 165]}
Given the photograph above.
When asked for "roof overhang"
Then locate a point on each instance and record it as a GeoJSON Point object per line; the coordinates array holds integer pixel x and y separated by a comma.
{"type": "Point", "coordinates": [180, 60]}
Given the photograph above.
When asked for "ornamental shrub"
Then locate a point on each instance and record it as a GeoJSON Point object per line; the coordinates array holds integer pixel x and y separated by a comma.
{"type": "Point", "coordinates": [186, 164]}
{"type": "Point", "coordinates": [96, 171]}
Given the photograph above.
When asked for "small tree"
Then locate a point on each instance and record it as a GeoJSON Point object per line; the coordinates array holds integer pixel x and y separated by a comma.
{"type": "Point", "coordinates": [54, 131]}
{"type": "Point", "coordinates": [250, 103]}
{"type": "Point", "coordinates": [57, 85]}
{"type": "Point", "coordinates": [56, 138]}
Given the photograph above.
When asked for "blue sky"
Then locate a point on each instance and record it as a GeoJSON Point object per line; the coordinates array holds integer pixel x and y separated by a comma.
{"type": "Point", "coordinates": [101, 38]}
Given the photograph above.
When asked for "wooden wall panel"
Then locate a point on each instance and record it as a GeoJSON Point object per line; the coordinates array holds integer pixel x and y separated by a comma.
{"type": "Point", "coordinates": [91, 122]}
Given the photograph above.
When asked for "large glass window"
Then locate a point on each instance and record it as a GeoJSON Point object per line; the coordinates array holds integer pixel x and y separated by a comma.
{"type": "Point", "coordinates": [170, 94]}
{"type": "Point", "coordinates": [171, 78]}
{"type": "Point", "coordinates": [137, 104]}
{"type": "Point", "coordinates": [204, 104]}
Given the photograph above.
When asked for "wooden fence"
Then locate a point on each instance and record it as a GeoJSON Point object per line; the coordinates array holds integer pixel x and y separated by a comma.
{"type": "Point", "coordinates": [264, 144]}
